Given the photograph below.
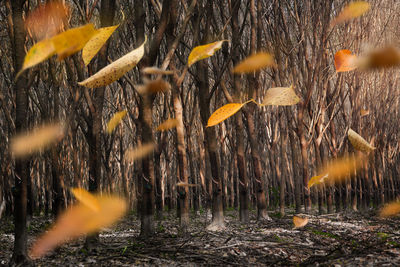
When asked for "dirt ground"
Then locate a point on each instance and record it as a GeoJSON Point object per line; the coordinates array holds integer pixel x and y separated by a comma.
{"type": "Point", "coordinates": [344, 239]}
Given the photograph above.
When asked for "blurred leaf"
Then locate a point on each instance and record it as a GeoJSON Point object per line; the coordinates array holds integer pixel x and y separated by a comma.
{"type": "Point", "coordinates": [86, 198]}
{"type": "Point", "coordinates": [351, 11]}
{"type": "Point", "coordinates": [168, 124]}
{"type": "Point", "coordinates": [186, 184]}
{"type": "Point", "coordinates": [358, 142]}
{"type": "Point", "coordinates": [115, 120]}
{"type": "Point", "coordinates": [254, 63]}
{"type": "Point", "coordinates": [39, 138]}
{"type": "Point", "coordinates": [345, 61]}
{"type": "Point", "coordinates": [139, 152]}
{"type": "Point", "coordinates": [95, 43]}
{"type": "Point", "coordinates": [315, 180]}
{"type": "Point", "coordinates": [299, 222]}
{"type": "Point", "coordinates": [78, 221]}
{"type": "Point", "coordinates": [391, 209]}
{"type": "Point", "coordinates": [153, 87]}
{"type": "Point", "coordinates": [115, 70]}
{"type": "Point", "coordinates": [364, 112]}
{"type": "Point", "coordinates": [156, 71]}
{"type": "Point", "coordinates": [386, 57]}
{"type": "Point", "coordinates": [204, 51]}
{"type": "Point", "coordinates": [223, 113]}
{"type": "Point", "coordinates": [281, 96]}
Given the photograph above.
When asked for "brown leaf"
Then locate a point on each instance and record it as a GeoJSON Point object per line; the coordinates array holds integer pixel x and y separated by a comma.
{"type": "Point", "coordinates": [139, 152]}
{"type": "Point", "coordinates": [299, 222]}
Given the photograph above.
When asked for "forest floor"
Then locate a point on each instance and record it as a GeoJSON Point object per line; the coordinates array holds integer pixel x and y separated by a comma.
{"type": "Point", "coordinates": [340, 239]}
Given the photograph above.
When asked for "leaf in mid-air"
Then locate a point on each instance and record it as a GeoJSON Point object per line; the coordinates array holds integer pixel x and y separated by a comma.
{"type": "Point", "coordinates": [182, 184]}
{"type": "Point", "coordinates": [299, 222]}
{"type": "Point", "coordinates": [138, 152]}
{"type": "Point", "coordinates": [386, 57]}
{"type": "Point", "coordinates": [93, 46]}
{"type": "Point", "coordinates": [351, 11]}
{"type": "Point", "coordinates": [167, 124]}
{"type": "Point", "coordinates": [358, 142]}
{"type": "Point", "coordinates": [115, 120]}
{"type": "Point", "coordinates": [153, 87]}
{"type": "Point", "coordinates": [254, 63]}
{"type": "Point", "coordinates": [315, 180]}
{"type": "Point", "coordinates": [391, 209]}
{"type": "Point", "coordinates": [223, 113]}
{"type": "Point", "coordinates": [364, 112]}
{"type": "Point", "coordinates": [86, 198]}
{"type": "Point", "coordinates": [156, 71]}
{"type": "Point", "coordinates": [79, 220]}
{"type": "Point", "coordinates": [345, 61]}
{"type": "Point", "coordinates": [115, 70]}
{"type": "Point", "coordinates": [281, 96]}
{"type": "Point", "coordinates": [204, 51]}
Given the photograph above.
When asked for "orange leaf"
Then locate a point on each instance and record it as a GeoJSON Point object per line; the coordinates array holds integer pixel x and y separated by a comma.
{"type": "Point", "coordinates": [345, 61]}
{"type": "Point", "coordinates": [223, 113]}
{"type": "Point", "coordinates": [390, 209]}
{"type": "Point", "coordinates": [299, 222]}
{"type": "Point", "coordinates": [204, 51]}
{"type": "Point", "coordinates": [254, 63]}
{"type": "Point", "coordinates": [364, 112]}
{"type": "Point", "coordinates": [139, 152]}
{"type": "Point", "coordinates": [315, 180]}
{"type": "Point", "coordinates": [168, 124]}
{"type": "Point", "coordinates": [86, 198]}
{"type": "Point", "coordinates": [186, 184]}
{"type": "Point", "coordinates": [351, 11]}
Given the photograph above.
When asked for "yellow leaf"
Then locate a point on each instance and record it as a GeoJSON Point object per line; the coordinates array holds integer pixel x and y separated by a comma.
{"type": "Point", "coordinates": [78, 221]}
{"type": "Point", "coordinates": [204, 51]}
{"type": "Point", "coordinates": [351, 11]}
{"type": "Point", "coordinates": [115, 120]}
{"type": "Point", "coordinates": [86, 198]}
{"type": "Point", "coordinates": [345, 61]}
{"type": "Point", "coordinates": [223, 113]}
{"type": "Point", "coordinates": [315, 180]}
{"type": "Point", "coordinates": [254, 63]}
{"type": "Point", "coordinates": [71, 41]}
{"type": "Point", "coordinates": [390, 209]}
{"type": "Point", "coordinates": [168, 124]}
{"type": "Point", "coordinates": [358, 142]}
{"type": "Point", "coordinates": [39, 52]}
{"type": "Point", "coordinates": [186, 184]}
{"type": "Point", "coordinates": [153, 87]}
{"type": "Point", "coordinates": [115, 70]}
{"type": "Point", "coordinates": [280, 96]}
{"type": "Point", "coordinates": [386, 57]}
{"type": "Point", "coordinates": [95, 43]}
{"type": "Point", "coordinates": [364, 112]}
{"type": "Point", "coordinates": [299, 222]}
{"type": "Point", "coordinates": [156, 71]}
{"type": "Point", "coordinates": [36, 140]}
{"type": "Point", "coordinates": [139, 152]}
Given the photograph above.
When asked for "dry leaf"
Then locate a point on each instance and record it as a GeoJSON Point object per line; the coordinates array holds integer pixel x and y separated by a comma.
{"type": "Point", "coordinates": [139, 152]}
{"type": "Point", "coordinates": [351, 11]}
{"type": "Point", "coordinates": [153, 87]}
{"type": "Point", "coordinates": [73, 40]}
{"type": "Point", "coordinates": [345, 61]}
{"type": "Point", "coordinates": [156, 71]}
{"type": "Point", "coordinates": [315, 180]}
{"type": "Point", "coordinates": [115, 70]}
{"type": "Point", "coordinates": [36, 140]}
{"type": "Point", "coordinates": [299, 222]}
{"type": "Point", "coordinates": [364, 112]}
{"type": "Point", "coordinates": [281, 96]}
{"type": "Point", "coordinates": [86, 198]}
{"type": "Point", "coordinates": [186, 184]}
{"type": "Point", "coordinates": [95, 43]}
{"type": "Point", "coordinates": [115, 120]}
{"type": "Point", "coordinates": [168, 124]}
{"type": "Point", "coordinates": [390, 209]}
{"type": "Point", "coordinates": [80, 220]}
{"type": "Point", "coordinates": [358, 142]}
{"type": "Point", "coordinates": [223, 113]}
{"type": "Point", "coordinates": [254, 63]}
{"type": "Point", "coordinates": [381, 58]}
{"type": "Point", "coordinates": [204, 51]}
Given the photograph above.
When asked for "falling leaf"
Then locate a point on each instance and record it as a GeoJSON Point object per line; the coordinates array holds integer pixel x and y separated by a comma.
{"type": "Point", "coordinates": [281, 96]}
{"type": "Point", "coordinates": [78, 221]}
{"type": "Point", "coordinates": [36, 140]}
{"type": "Point", "coordinates": [315, 180]}
{"type": "Point", "coordinates": [204, 51]}
{"type": "Point", "coordinates": [47, 20]}
{"type": "Point", "coordinates": [351, 11]}
{"type": "Point", "coordinates": [386, 57]}
{"type": "Point", "coordinates": [358, 142]}
{"type": "Point", "coordinates": [364, 112]}
{"type": "Point", "coordinates": [73, 40]}
{"type": "Point", "coordinates": [39, 52]}
{"type": "Point", "coordinates": [153, 87]}
{"type": "Point", "coordinates": [115, 70]}
{"type": "Point", "coordinates": [299, 222]}
{"type": "Point", "coordinates": [345, 61]}
{"type": "Point", "coordinates": [390, 209]}
{"type": "Point", "coordinates": [223, 113]}
{"type": "Point", "coordinates": [86, 198]}
{"type": "Point", "coordinates": [186, 184]}
{"type": "Point", "coordinates": [254, 63]}
{"type": "Point", "coordinates": [95, 43]}
{"type": "Point", "coordinates": [115, 120]}
{"type": "Point", "coordinates": [139, 152]}
{"type": "Point", "coordinates": [156, 71]}
{"type": "Point", "coordinates": [168, 124]}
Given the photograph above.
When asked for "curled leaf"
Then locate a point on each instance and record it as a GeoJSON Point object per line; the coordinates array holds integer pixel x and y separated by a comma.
{"type": "Point", "coordinates": [156, 71]}
{"type": "Point", "coordinates": [223, 113]}
{"type": "Point", "coordinates": [139, 152]}
{"type": "Point", "coordinates": [115, 70]}
{"type": "Point", "coordinates": [391, 209]}
{"type": "Point", "coordinates": [168, 124]}
{"type": "Point", "coordinates": [299, 222]}
{"type": "Point", "coordinates": [40, 138]}
{"type": "Point", "coordinates": [93, 46]}
{"type": "Point", "coordinates": [80, 220]}
{"type": "Point", "coordinates": [351, 11]}
{"type": "Point", "coordinates": [254, 63]}
{"type": "Point", "coordinates": [86, 198]}
{"type": "Point", "coordinates": [281, 96]}
{"type": "Point", "coordinates": [204, 51]}
{"type": "Point", "coordinates": [115, 120]}
{"type": "Point", "coordinates": [153, 87]}
{"type": "Point", "coordinates": [358, 142]}
{"type": "Point", "coordinates": [345, 61]}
